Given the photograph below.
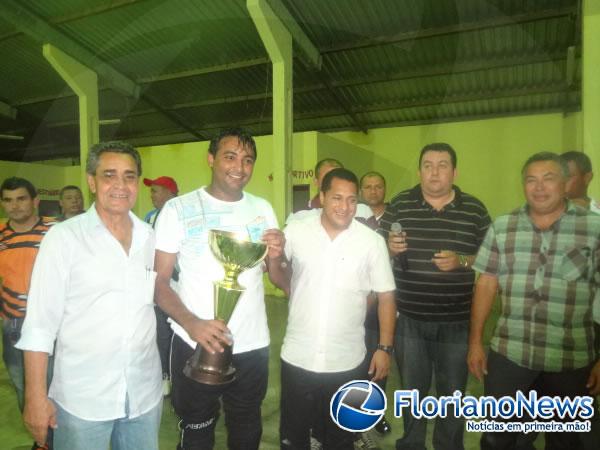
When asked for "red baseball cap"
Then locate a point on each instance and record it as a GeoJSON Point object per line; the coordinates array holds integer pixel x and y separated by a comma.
{"type": "Point", "coordinates": [166, 182]}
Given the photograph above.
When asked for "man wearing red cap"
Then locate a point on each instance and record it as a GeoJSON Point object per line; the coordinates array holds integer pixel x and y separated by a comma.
{"type": "Point", "coordinates": [161, 190]}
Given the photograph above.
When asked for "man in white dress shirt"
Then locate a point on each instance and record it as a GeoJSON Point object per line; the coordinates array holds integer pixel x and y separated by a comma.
{"type": "Point", "coordinates": [92, 293]}
{"type": "Point", "coordinates": [336, 262]}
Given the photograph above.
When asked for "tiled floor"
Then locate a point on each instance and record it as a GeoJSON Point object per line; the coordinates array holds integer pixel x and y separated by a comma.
{"type": "Point", "coordinates": [14, 436]}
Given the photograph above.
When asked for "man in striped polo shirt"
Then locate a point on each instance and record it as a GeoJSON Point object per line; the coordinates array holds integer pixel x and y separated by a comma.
{"type": "Point", "coordinates": [441, 230]}
{"type": "Point", "coordinates": [543, 261]}
{"type": "Point", "coordinates": [20, 239]}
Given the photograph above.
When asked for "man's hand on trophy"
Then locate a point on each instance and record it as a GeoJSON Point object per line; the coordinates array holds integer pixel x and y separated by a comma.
{"type": "Point", "coordinates": [275, 240]}
{"type": "Point", "coordinates": [210, 334]}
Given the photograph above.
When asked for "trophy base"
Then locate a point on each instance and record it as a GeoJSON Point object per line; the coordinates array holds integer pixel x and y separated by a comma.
{"type": "Point", "coordinates": [206, 376]}
{"type": "Point", "coordinates": [210, 368]}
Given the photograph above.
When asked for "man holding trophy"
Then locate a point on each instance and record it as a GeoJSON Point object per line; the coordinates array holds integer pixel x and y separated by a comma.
{"type": "Point", "coordinates": [216, 233]}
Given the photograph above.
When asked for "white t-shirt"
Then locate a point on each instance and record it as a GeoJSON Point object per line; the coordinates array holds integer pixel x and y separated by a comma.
{"type": "Point", "coordinates": [183, 227]}
{"type": "Point", "coordinates": [330, 284]}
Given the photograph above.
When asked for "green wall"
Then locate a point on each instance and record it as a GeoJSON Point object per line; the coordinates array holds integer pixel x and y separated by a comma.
{"type": "Point", "coordinates": [490, 152]}
{"type": "Point", "coordinates": [490, 155]}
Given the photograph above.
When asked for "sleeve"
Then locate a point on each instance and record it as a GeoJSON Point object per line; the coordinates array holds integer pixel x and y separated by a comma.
{"type": "Point", "coordinates": [47, 293]}
{"type": "Point", "coordinates": [169, 229]}
{"type": "Point", "coordinates": [483, 225]}
{"type": "Point", "coordinates": [288, 249]}
{"type": "Point", "coordinates": [381, 275]}
{"type": "Point", "coordinates": [270, 215]}
{"type": "Point", "coordinates": [385, 223]}
{"type": "Point", "coordinates": [488, 256]}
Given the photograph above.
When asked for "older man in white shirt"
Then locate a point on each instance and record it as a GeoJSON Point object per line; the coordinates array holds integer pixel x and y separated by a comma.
{"type": "Point", "coordinates": [336, 262]}
{"type": "Point", "coordinates": [92, 293]}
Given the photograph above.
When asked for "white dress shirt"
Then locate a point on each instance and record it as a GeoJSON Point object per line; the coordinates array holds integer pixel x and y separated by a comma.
{"type": "Point", "coordinates": [328, 302]}
{"type": "Point", "coordinates": [96, 301]}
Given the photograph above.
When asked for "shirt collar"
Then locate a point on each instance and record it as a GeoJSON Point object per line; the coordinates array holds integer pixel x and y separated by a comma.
{"type": "Point", "coordinates": [570, 210]}
{"type": "Point", "coordinates": [350, 229]}
{"type": "Point", "coordinates": [94, 223]}
{"type": "Point", "coordinates": [416, 193]}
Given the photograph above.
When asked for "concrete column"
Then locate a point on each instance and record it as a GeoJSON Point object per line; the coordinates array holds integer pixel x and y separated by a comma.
{"type": "Point", "coordinates": [84, 83]}
{"type": "Point", "coordinates": [278, 43]}
{"type": "Point", "coordinates": [590, 91]}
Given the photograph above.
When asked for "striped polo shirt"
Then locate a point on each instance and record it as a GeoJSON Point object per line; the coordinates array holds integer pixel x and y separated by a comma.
{"type": "Point", "coordinates": [423, 291]}
{"type": "Point", "coordinates": [17, 255]}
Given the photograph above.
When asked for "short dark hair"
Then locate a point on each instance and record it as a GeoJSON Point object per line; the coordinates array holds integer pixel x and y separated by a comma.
{"type": "Point", "coordinates": [546, 156]}
{"type": "Point", "coordinates": [581, 160]}
{"type": "Point", "coordinates": [327, 161]}
{"type": "Point", "coordinates": [69, 187]}
{"type": "Point", "coordinates": [342, 174]}
{"type": "Point", "coordinates": [439, 147]}
{"type": "Point", "coordinates": [372, 174]}
{"type": "Point", "coordinates": [14, 183]}
{"type": "Point", "coordinates": [244, 136]}
{"type": "Point", "coordinates": [93, 158]}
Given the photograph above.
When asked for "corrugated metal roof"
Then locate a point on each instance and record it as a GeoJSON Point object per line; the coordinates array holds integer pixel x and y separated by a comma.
{"type": "Point", "coordinates": [201, 65]}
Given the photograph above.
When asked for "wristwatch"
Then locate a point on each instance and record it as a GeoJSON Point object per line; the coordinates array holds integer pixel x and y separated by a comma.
{"type": "Point", "coordinates": [389, 349]}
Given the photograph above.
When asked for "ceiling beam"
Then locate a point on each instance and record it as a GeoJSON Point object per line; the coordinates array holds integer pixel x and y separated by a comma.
{"type": "Point", "coordinates": [410, 73]}
{"type": "Point", "coordinates": [423, 72]}
{"type": "Point", "coordinates": [204, 70]}
{"type": "Point", "coordinates": [34, 26]}
{"type": "Point", "coordinates": [495, 22]}
{"type": "Point", "coordinates": [447, 98]}
{"type": "Point", "coordinates": [358, 124]}
{"type": "Point", "coordinates": [89, 12]}
{"type": "Point", "coordinates": [7, 111]}
{"type": "Point", "coordinates": [462, 118]}
{"type": "Point", "coordinates": [309, 53]}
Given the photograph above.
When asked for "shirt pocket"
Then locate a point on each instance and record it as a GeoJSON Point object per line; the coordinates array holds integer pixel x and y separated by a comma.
{"type": "Point", "coordinates": [142, 286]}
{"type": "Point", "coordinates": [576, 264]}
{"type": "Point", "coordinates": [350, 275]}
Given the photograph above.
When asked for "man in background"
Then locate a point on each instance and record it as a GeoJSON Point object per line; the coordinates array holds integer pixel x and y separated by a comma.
{"type": "Point", "coordinates": [20, 239]}
{"type": "Point", "coordinates": [580, 176]}
{"type": "Point", "coordinates": [71, 202]}
{"type": "Point", "coordinates": [372, 192]}
{"type": "Point", "coordinates": [322, 168]}
{"type": "Point", "coordinates": [162, 189]}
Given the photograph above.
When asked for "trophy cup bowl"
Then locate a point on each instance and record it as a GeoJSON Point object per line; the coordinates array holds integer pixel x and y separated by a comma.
{"type": "Point", "coordinates": [235, 255]}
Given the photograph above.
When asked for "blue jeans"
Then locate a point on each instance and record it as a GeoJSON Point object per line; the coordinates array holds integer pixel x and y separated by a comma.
{"type": "Point", "coordinates": [13, 357]}
{"type": "Point", "coordinates": [74, 433]}
{"type": "Point", "coordinates": [422, 349]}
